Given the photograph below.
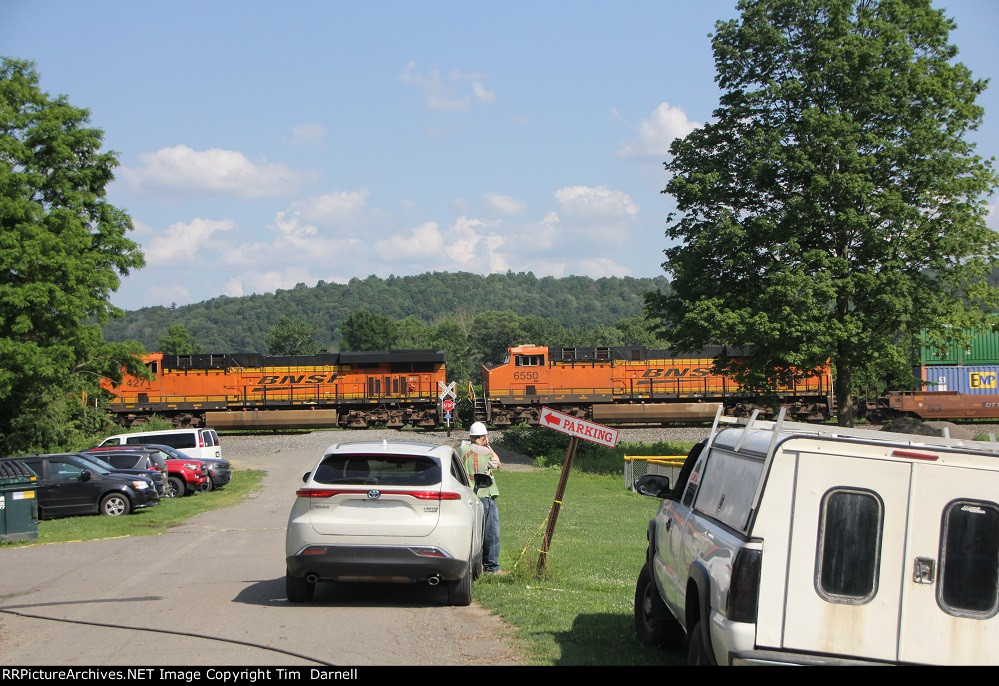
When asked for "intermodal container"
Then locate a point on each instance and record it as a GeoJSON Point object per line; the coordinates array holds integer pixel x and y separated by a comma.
{"type": "Point", "coordinates": [983, 350]}
{"type": "Point", "coordinates": [965, 379]}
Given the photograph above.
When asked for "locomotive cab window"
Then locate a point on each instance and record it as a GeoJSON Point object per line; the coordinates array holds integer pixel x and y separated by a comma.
{"type": "Point", "coordinates": [529, 361]}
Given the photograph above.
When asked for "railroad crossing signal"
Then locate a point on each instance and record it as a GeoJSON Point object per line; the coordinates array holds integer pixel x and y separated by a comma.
{"type": "Point", "coordinates": [447, 390]}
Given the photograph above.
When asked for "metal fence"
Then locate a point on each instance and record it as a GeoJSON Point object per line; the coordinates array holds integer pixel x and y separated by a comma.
{"type": "Point", "coordinates": [639, 465]}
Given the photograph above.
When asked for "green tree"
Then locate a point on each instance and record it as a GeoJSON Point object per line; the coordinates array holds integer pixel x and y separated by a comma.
{"type": "Point", "coordinates": [293, 337]}
{"type": "Point", "coordinates": [833, 208]}
{"type": "Point", "coordinates": [63, 249]}
{"type": "Point", "coordinates": [412, 334]}
{"type": "Point", "coordinates": [178, 341]}
{"type": "Point", "coordinates": [493, 332]}
{"type": "Point", "coordinates": [365, 330]}
{"type": "Point", "coordinates": [450, 337]}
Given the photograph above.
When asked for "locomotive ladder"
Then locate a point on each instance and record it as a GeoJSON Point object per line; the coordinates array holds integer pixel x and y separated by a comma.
{"type": "Point", "coordinates": [478, 405]}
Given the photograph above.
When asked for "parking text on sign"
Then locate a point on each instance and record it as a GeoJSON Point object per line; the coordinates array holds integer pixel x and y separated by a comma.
{"type": "Point", "coordinates": [580, 428]}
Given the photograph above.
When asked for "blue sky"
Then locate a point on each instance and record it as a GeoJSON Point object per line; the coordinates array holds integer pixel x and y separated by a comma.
{"type": "Point", "coordinates": [267, 144]}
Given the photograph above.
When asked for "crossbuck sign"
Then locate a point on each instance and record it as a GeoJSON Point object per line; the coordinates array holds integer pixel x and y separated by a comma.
{"type": "Point", "coordinates": [588, 431]}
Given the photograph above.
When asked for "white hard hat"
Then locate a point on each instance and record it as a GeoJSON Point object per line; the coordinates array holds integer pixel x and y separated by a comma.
{"type": "Point", "coordinates": [477, 429]}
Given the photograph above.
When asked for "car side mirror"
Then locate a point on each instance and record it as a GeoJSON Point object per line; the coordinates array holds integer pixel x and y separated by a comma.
{"type": "Point", "coordinates": [654, 485]}
{"type": "Point", "coordinates": [483, 481]}
{"type": "Point", "coordinates": [85, 475]}
{"type": "Point", "coordinates": [305, 477]}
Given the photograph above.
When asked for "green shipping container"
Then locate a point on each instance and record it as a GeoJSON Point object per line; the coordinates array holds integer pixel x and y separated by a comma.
{"type": "Point", "coordinates": [983, 349]}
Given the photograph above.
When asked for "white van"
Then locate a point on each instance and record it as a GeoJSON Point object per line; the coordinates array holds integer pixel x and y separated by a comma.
{"type": "Point", "coordinates": [198, 443]}
{"type": "Point", "coordinates": [786, 543]}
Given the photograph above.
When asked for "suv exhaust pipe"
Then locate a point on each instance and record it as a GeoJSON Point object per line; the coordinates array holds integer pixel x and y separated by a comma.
{"type": "Point", "coordinates": [312, 577]}
{"type": "Point", "coordinates": [434, 580]}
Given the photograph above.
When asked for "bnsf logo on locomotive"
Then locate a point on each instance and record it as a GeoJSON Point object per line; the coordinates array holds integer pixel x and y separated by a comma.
{"type": "Point", "coordinates": [275, 380]}
{"type": "Point", "coordinates": [658, 372]}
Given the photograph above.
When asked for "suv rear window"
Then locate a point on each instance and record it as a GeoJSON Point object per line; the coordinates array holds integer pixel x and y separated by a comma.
{"type": "Point", "coordinates": [385, 470]}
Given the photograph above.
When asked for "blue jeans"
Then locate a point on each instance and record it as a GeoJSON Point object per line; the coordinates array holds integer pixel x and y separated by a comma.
{"type": "Point", "coordinates": [490, 536]}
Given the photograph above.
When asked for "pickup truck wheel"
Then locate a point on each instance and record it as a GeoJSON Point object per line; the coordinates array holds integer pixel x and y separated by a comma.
{"type": "Point", "coordinates": [175, 487]}
{"type": "Point", "coordinates": [649, 609]}
{"type": "Point", "coordinates": [697, 652]}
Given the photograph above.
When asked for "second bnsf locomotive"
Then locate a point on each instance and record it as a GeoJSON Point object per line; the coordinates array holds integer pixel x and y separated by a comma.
{"type": "Point", "coordinates": [349, 389]}
{"type": "Point", "coordinates": [629, 385]}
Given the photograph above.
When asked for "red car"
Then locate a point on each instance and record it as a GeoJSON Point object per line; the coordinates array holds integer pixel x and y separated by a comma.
{"type": "Point", "coordinates": [186, 477]}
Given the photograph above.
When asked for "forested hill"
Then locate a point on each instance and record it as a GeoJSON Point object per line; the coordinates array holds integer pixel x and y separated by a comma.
{"type": "Point", "coordinates": [241, 324]}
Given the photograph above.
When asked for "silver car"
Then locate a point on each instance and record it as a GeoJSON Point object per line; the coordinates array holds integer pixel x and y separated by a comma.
{"type": "Point", "coordinates": [392, 512]}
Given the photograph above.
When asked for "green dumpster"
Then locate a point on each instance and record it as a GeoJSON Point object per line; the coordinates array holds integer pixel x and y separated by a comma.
{"type": "Point", "coordinates": [18, 504]}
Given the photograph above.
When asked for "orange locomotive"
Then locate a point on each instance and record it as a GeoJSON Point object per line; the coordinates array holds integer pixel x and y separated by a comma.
{"type": "Point", "coordinates": [348, 389]}
{"type": "Point", "coordinates": [628, 384]}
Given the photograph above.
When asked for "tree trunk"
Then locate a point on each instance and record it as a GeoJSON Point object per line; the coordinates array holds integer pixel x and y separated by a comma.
{"type": "Point", "coordinates": [844, 396]}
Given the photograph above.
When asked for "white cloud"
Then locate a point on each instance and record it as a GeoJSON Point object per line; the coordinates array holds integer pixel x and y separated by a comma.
{"type": "Point", "coordinates": [599, 203]}
{"type": "Point", "coordinates": [332, 208]}
{"type": "Point", "coordinates": [308, 134]}
{"type": "Point", "coordinates": [655, 134]}
{"type": "Point", "coordinates": [425, 241]}
{"type": "Point", "coordinates": [448, 94]}
{"type": "Point", "coordinates": [222, 172]}
{"type": "Point", "coordinates": [464, 247]}
{"type": "Point", "coordinates": [504, 204]}
{"type": "Point", "coordinates": [482, 94]}
{"type": "Point", "coordinates": [602, 266]}
{"type": "Point", "coordinates": [184, 241]}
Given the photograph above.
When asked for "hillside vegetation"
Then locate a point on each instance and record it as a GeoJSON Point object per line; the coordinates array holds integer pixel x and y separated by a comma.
{"type": "Point", "coordinates": [241, 324]}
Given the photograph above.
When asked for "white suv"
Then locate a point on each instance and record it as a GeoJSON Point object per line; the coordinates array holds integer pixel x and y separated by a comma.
{"type": "Point", "coordinates": [398, 512]}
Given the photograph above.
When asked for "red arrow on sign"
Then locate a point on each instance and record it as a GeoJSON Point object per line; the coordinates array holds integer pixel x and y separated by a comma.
{"type": "Point", "coordinates": [552, 420]}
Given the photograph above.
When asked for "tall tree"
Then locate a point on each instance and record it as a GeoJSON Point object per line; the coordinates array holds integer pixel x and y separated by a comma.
{"type": "Point", "coordinates": [178, 341]}
{"type": "Point", "coordinates": [833, 208]}
{"type": "Point", "coordinates": [293, 337]}
{"type": "Point", "coordinates": [63, 248]}
{"type": "Point", "coordinates": [365, 330]}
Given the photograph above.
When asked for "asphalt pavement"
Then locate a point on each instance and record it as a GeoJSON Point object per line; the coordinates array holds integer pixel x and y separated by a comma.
{"type": "Point", "coordinates": [210, 594]}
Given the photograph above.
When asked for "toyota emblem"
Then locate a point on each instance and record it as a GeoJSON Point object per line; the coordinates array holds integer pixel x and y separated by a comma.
{"type": "Point", "coordinates": [374, 494]}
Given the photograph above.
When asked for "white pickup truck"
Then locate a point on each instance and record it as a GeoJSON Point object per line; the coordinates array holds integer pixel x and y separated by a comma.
{"type": "Point", "coordinates": [787, 543]}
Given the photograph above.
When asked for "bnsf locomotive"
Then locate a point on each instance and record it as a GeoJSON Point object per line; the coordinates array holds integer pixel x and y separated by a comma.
{"type": "Point", "coordinates": [629, 385]}
{"type": "Point", "coordinates": [347, 389]}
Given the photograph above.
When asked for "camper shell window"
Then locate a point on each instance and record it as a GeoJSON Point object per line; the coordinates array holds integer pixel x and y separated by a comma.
{"type": "Point", "coordinates": [969, 559]}
{"type": "Point", "coordinates": [849, 546]}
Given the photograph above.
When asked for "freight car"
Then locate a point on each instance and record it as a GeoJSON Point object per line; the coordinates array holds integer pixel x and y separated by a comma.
{"type": "Point", "coordinates": [617, 385]}
{"type": "Point", "coordinates": [933, 405]}
{"type": "Point", "coordinates": [348, 389]}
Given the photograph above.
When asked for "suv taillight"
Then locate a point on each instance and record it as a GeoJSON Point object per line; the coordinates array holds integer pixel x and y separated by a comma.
{"type": "Point", "coordinates": [744, 589]}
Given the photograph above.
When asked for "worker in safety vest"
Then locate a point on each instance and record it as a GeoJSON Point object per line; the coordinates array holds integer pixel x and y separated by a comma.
{"type": "Point", "coordinates": [480, 458]}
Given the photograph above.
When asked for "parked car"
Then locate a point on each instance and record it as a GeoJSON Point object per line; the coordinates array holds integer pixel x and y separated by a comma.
{"type": "Point", "coordinates": [69, 484]}
{"type": "Point", "coordinates": [219, 469]}
{"type": "Point", "coordinates": [397, 512]}
{"type": "Point", "coordinates": [186, 477]}
{"type": "Point", "coordinates": [139, 465]}
{"type": "Point", "coordinates": [197, 442]}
